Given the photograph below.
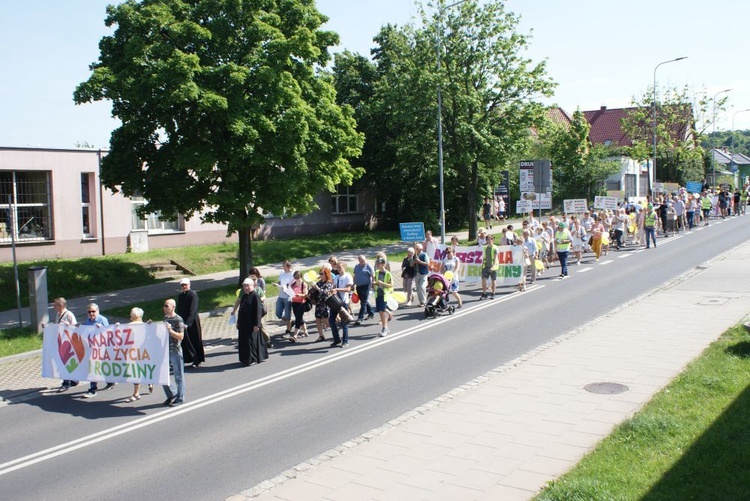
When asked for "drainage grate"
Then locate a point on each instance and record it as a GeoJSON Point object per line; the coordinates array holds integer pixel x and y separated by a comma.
{"type": "Point", "coordinates": [606, 388]}
{"type": "Point", "coordinates": [714, 301]}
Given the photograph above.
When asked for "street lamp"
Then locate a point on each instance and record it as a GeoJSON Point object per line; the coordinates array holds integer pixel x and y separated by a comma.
{"type": "Point", "coordinates": [732, 150]}
{"type": "Point", "coordinates": [652, 166]}
{"type": "Point", "coordinates": [440, 117]}
{"type": "Point", "coordinates": [713, 136]}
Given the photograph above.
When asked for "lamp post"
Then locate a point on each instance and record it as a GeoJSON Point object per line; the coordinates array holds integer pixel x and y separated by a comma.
{"type": "Point", "coordinates": [440, 116]}
{"type": "Point", "coordinates": [713, 135]}
{"type": "Point", "coordinates": [652, 165]}
{"type": "Point", "coordinates": [732, 150]}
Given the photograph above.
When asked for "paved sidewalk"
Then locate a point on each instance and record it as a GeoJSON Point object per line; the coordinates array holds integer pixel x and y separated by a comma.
{"type": "Point", "coordinates": [20, 376]}
{"type": "Point", "coordinates": [135, 295]}
{"type": "Point", "coordinates": [506, 434]}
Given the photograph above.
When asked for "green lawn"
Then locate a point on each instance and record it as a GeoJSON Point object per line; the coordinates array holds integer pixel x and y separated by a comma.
{"type": "Point", "coordinates": [18, 340]}
{"type": "Point", "coordinates": [80, 277]}
{"type": "Point", "coordinates": [690, 442]}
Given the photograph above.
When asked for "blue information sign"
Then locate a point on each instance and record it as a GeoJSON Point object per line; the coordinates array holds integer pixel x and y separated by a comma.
{"type": "Point", "coordinates": [693, 186]}
{"type": "Point", "coordinates": [411, 232]}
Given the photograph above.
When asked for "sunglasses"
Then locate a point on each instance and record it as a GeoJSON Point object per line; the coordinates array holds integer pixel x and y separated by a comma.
{"type": "Point", "coordinates": [92, 311]}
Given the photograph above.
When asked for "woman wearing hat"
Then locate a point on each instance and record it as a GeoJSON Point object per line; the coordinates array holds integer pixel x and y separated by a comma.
{"type": "Point", "coordinates": [563, 240]}
{"type": "Point", "coordinates": [482, 237]}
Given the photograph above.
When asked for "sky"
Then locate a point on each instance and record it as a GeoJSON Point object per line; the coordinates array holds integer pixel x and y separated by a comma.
{"type": "Point", "coordinates": [600, 53]}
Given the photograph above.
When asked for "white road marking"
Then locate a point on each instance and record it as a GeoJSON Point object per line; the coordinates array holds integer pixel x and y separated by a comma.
{"type": "Point", "coordinates": [115, 431]}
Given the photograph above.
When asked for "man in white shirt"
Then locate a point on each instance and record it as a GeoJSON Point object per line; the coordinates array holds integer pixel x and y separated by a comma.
{"type": "Point", "coordinates": [679, 209]}
{"type": "Point", "coordinates": [342, 285]}
{"type": "Point", "coordinates": [284, 300]}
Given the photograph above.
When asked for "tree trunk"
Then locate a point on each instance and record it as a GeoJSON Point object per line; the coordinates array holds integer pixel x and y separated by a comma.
{"type": "Point", "coordinates": [246, 252]}
{"type": "Point", "coordinates": [472, 200]}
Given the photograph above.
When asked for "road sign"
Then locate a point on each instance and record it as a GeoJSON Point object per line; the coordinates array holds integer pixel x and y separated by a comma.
{"type": "Point", "coordinates": [411, 232]}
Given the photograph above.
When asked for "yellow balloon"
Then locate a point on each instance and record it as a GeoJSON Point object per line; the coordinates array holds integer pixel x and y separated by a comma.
{"type": "Point", "coordinates": [399, 296]}
{"type": "Point", "coordinates": [448, 275]}
{"type": "Point", "coordinates": [237, 294]}
{"type": "Point", "coordinates": [310, 276]}
{"type": "Point", "coordinates": [605, 238]}
{"type": "Point", "coordinates": [539, 264]}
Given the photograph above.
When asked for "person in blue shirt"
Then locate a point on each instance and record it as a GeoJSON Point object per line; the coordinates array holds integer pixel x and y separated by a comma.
{"type": "Point", "coordinates": [422, 261]}
{"type": "Point", "coordinates": [93, 317]}
{"type": "Point", "coordinates": [363, 277]}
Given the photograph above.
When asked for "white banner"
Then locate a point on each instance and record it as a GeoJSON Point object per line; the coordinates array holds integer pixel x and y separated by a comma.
{"type": "Point", "coordinates": [127, 353]}
{"type": "Point", "coordinates": [523, 206]}
{"type": "Point", "coordinates": [609, 203]}
{"type": "Point", "coordinates": [538, 200]}
{"type": "Point", "coordinates": [509, 262]}
{"type": "Point", "coordinates": [574, 206]}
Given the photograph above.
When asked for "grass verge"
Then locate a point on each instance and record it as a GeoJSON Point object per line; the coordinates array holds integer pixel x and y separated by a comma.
{"type": "Point", "coordinates": [87, 276]}
{"type": "Point", "coordinates": [18, 340]}
{"type": "Point", "coordinates": [689, 442]}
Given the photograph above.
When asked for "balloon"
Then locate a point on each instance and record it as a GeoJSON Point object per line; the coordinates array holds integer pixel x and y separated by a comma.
{"type": "Point", "coordinates": [310, 276]}
{"type": "Point", "coordinates": [355, 298]}
{"type": "Point", "coordinates": [605, 238]}
{"type": "Point", "coordinates": [399, 296]}
{"type": "Point", "coordinates": [448, 275]}
{"type": "Point", "coordinates": [539, 264]}
{"type": "Point", "coordinates": [237, 294]}
{"type": "Point", "coordinates": [392, 304]}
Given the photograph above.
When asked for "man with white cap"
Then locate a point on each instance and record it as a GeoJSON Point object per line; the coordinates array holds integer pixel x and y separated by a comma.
{"type": "Point", "coordinates": [252, 346]}
{"type": "Point", "coordinates": [192, 342]}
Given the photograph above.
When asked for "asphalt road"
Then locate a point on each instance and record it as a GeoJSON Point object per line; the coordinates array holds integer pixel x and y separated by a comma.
{"type": "Point", "coordinates": [243, 425]}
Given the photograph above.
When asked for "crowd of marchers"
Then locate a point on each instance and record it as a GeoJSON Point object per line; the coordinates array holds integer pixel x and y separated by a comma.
{"type": "Point", "coordinates": [333, 293]}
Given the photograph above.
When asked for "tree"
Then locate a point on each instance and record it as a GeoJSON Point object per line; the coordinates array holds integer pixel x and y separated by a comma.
{"type": "Point", "coordinates": [681, 120]}
{"type": "Point", "coordinates": [223, 110]}
{"type": "Point", "coordinates": [579, 169]}
{"type": "Point", "coordinates": [489, 104]}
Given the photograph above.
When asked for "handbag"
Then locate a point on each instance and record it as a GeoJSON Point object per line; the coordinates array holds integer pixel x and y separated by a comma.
{"type": "Point", "coordinates": [307, 306]}
{"type": "Point", "coordinates": [265, 335]}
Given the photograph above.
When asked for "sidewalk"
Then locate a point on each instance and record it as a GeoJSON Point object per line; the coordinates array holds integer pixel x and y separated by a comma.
{"type": "Point", "coordinates": [171, 288]}
{"type": "Point", "coordinates": [20, 377]}
{"type": "Point", "coordinates": [506, 434]}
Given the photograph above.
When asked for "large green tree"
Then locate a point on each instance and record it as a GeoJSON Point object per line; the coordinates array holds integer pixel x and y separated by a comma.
{"type": "Point", "coordinates": [579, 168]}
{"type": "Point", "coordinates": [489, 92]}
{"type": "Point", "coordinates": [223, 110]}
{"type": "Point", "coordinates": [682, 117]}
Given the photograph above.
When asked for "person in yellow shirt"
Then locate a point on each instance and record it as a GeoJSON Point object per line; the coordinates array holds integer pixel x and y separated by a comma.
{"type": "Point", "coordinates": [563, 239]}
{"type": "Point", "coordinates": [489, 267]}
{"type": "Point", "coordinates": [649, 225]}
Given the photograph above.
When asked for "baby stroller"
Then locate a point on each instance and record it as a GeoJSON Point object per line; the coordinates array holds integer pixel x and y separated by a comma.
{"type": "Point", "coordinates": [437, 297]}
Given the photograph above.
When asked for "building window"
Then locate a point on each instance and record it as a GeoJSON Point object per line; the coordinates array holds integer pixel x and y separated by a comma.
{"type": "Point", "coordinates": [86, 183]}
{"type": "Point", "coordinates": [344, 201]}
{"type": "Point", "coordinates": [153, 222]}
{"type": "Point", "coordinates": [613, 185]}
{"type": "Point", "coordinates": [25, 205]}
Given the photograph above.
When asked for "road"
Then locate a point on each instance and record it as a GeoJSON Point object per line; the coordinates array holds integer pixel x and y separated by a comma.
{"type": "Point", "coordinates": [243, 425]}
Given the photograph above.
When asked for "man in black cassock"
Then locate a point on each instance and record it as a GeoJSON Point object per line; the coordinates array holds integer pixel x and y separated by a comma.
{"type": "Point", "coordinates": [192, 342]}
{"type": "Point", "coordinates": [252, 346]}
